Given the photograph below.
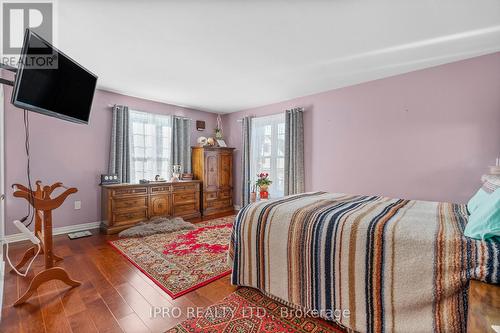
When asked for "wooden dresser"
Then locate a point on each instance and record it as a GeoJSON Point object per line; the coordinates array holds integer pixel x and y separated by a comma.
{"type": "Point", "coordinates": [214, 166]}
{"type": "Point", "coordinates": [484, 307]}
{"type": "Point", "coordinates": [124, 205]}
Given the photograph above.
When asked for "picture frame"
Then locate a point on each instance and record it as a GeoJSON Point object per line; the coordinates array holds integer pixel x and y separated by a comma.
{"type": "Point", "coordinates": [221, 143]}
{"type": "Point", "coordinates": [200, 125]}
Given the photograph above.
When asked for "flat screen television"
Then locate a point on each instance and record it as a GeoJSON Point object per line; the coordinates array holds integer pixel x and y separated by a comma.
{"type": "Point", "coordinates": [51, 83]}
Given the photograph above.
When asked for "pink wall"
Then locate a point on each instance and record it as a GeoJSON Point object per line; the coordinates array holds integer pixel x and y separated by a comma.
{"type": "Point", "coordinates": [71, 153]}
{"type": "Point", "coordinates": [428, 134]}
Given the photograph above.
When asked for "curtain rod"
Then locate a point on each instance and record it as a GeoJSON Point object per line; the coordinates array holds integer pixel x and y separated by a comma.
{"type": "Point", "coordinates": [268, 115]}
{"type": "Point", "coordinates": [173, 115]}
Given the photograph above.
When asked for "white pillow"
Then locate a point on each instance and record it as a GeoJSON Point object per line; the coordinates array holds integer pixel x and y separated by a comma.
{"type": "Point", "coordinates": [490, 183]}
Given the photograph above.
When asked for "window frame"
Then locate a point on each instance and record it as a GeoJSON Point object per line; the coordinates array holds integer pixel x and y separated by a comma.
{"type": "Point", "coordinates": [159, 121]}
{"type": "Point", "coordinates": [277, 123]}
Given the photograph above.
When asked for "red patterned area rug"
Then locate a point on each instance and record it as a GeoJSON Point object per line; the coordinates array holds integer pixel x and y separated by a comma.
{"type": "Point", "coordinates": [182, 261]}
{"type": "Point", "coordinates": [249, 311]}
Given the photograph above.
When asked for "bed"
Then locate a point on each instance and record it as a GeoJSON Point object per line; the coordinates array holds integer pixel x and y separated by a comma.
{"type": "Point", "coordinates": [372, 264]}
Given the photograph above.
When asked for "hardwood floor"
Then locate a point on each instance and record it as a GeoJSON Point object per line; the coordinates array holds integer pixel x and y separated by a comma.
{"type": "Point", "coordinates": [114, 296]}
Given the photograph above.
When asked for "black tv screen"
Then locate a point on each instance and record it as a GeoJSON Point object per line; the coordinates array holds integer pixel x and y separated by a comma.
{"type": "Point", "coordinates": [51, 83]}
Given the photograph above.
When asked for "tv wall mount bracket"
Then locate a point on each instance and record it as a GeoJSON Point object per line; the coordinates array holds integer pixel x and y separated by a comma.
{"type": "Point", "coordinates": [8, 68]}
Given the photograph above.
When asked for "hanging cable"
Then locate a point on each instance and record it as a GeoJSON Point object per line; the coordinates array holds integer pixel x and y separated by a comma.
{"type": "Point", "coordinates": [14, 267]}
{"type": "Point", "coordinates": [31, 210]}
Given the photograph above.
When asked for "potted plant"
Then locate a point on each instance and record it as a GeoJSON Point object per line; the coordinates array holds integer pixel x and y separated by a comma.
{"type": "Point", "coordinates": [263, 183]}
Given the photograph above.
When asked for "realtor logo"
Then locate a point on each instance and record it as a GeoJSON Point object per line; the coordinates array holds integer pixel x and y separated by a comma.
{"type": "Point", "coordinates": [18, 16]}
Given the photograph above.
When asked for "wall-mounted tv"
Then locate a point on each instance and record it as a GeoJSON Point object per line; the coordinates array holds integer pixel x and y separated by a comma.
{"type": "Point", "coordinates": [51, 83]}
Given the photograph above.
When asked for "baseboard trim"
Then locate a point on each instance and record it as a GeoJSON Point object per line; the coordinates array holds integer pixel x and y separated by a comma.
{"type": "Point", "coordinates": [56, 231]}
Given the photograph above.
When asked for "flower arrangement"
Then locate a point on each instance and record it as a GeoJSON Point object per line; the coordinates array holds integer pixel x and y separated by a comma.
{"type": "Point", "coordinates": [218, 128]}
{"type": "Point", "coordinates": [263, 180]}
{"type": "Point", "coordinates": [218, 133]}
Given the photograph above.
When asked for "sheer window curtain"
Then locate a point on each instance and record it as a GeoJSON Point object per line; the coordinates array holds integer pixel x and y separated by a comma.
{"type": "Point", "coordinates": [151, 145]}
{"type": "Point", "coordinates": [267, 151]}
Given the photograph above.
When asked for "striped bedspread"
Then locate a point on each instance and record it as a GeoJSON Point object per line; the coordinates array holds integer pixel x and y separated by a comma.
{"type": "Point", "coordinates": [395, 265]}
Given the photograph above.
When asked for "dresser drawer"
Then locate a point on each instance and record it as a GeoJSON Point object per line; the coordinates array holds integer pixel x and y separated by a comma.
{"type": "Point", "coordinates": [187, 209]}
{"type": "Point", "coordinates": [226, 194]}
{"type": "Point", "coordinates": [219, 203]}
{"type": "Point", "coordinates": [129, 203]}
{"type": "Point", "coordinates": [130, 217]}
{"type": "Point", "coordinates": [186, 187]}
{"type": "Point", "coordinates": [210, 196]}
{"type": "Point", "coordinates": [161, 189]}
{"type": "Point", "coordinates": [120, 192]}
{"type": "Point", "coordinates": [184, 197]}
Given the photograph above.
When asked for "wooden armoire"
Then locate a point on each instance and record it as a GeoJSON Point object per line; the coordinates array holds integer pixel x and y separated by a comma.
{"type": "Point", "coordinates": [214, 167]}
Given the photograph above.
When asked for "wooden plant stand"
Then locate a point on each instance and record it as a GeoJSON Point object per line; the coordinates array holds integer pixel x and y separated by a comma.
{"type": "Point", "coordinates": [43, 205]}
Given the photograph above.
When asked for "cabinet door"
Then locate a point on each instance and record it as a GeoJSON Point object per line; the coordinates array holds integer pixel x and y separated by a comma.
{"type": "Point", "coordinates": [211, 171]}
{"type": "Point", "coordinates": [225, 170]}
{"type": "Point", "coordinates": [159, 205]}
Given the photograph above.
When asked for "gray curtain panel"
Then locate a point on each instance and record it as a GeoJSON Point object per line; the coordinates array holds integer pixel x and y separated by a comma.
{"type": "Point", "coordinates": [181, 137]}
{"type": "Point", "coordinates": [294, 151]}
{"type": "Point", "coordinates": [245, 160]}
{"type": "Point", "coordinates": [119, 159]}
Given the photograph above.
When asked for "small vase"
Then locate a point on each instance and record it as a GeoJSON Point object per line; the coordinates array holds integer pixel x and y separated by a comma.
{"type": "Point", "coordinates": [264, 194]}
{"type": "Point", "coordinates": [253, 197]}
{"type": "Point", "coordinates": [263, 188]}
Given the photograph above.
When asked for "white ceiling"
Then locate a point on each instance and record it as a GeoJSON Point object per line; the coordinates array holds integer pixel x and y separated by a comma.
{"type": "Point", "coordinates": [225, 56]}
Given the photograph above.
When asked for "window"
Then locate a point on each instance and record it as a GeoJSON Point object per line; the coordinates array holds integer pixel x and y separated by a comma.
{"type": "Point", "coordinates": [267, 151]}
{"type": "Point", "coordinates": [150, 136]}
